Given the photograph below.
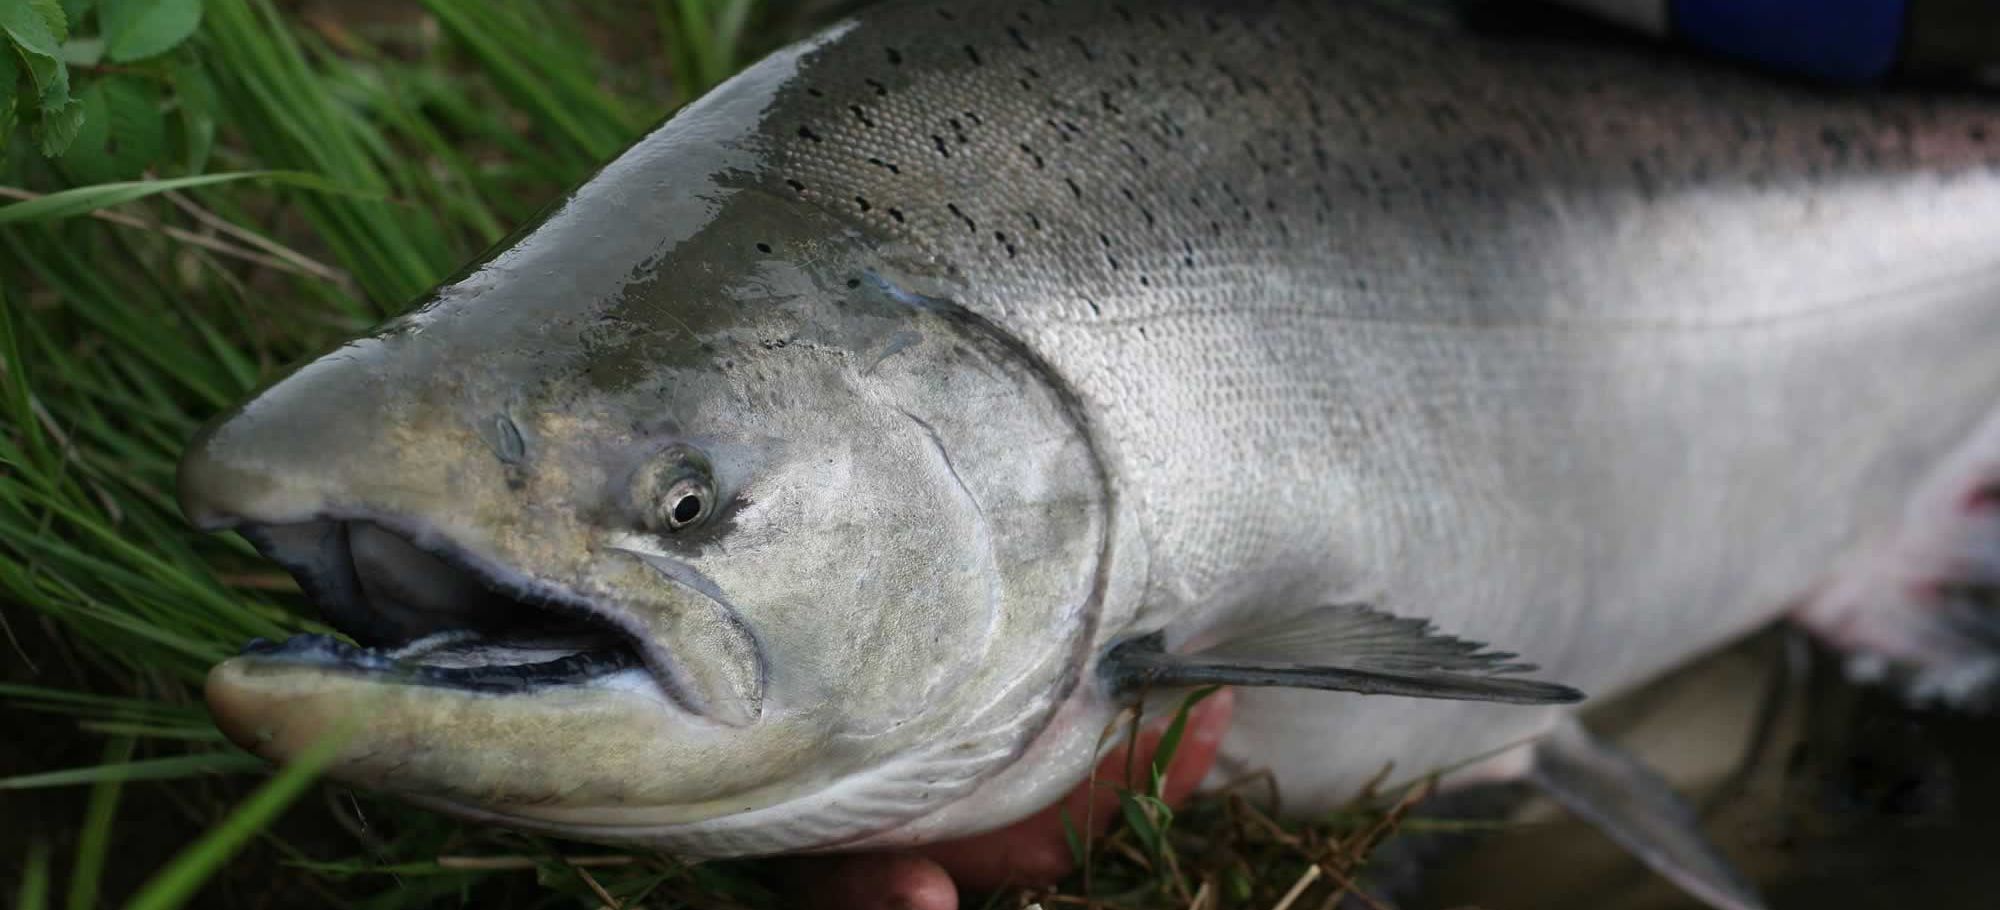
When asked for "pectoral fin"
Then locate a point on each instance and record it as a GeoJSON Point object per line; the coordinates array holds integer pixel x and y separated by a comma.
{"type": "Point", "coordinates": [1634, 807]}
{"type": "Point", "coordinates": [1344, 647]}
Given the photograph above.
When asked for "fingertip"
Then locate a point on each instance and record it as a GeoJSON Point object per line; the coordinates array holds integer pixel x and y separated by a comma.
{"type": "Point", "coordinates": [873, 881]}
{"type": "Point", "coordinates": [1042, 863]}
{"type": "Point", "coordinates": [926, 887]}
{"type": "Point", "coordinates": [1029, 853]}
{"type": "Point", "coordinates": [1208, 721]}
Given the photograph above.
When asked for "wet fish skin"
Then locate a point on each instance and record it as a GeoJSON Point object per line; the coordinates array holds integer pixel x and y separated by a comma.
{"type": "Point", "coordinates": [1599, 356]}
{"type": "Point", "coordinates": [1534, 340]}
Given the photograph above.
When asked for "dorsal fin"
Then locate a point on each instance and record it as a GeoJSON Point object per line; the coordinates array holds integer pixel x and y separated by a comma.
{"type": "Point", "coordinates": [1636, 808]}
{"type": "Point", "coordinates": [1342, 647]}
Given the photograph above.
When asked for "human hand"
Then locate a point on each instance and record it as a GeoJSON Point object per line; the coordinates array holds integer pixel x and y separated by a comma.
{"type": "Point", "coordinates": [1032, 851]}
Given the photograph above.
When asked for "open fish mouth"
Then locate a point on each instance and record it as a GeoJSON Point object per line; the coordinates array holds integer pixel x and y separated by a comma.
{"type": "Point", "coordinates": [432, 614]}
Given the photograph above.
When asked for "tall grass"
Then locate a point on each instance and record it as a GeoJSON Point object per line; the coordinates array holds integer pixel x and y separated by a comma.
{"type": "Point", "coordinates": [275, 180]}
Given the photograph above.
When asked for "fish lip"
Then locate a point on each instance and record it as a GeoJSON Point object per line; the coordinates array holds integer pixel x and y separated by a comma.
{"type": "Point", "coordinates": [334, 588]}
{"type": "Point", "coordinates": [687, 578]}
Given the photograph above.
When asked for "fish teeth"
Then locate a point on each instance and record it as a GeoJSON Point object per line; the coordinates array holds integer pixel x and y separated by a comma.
{"type": "Point", "coordinates": [315, 648]}
{"type": "Point", "coordinates": [433, 642]}
{"type": "Point", "coordinates": [325, 650]}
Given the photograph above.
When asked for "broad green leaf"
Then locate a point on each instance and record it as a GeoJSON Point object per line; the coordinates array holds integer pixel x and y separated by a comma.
{"type": "Point", "coordinates": [58, 127]}
{"type": "Point", "coordinates": [137, 29]}
{"type": "Point", "coordinates": [86, 199]}
{"type": "Point", "coordinates": [123, 131]}
{"type": "Point", "coordinates": [53, 16]}
{"type": "Point", "coordinates": [73, 10]}
{"type": "Point", "coordinates": [40, 48]}
{"type": "Point", "coordinates": [195, 94]}
{"type": "Point", "coordinates": [138, 128]}
{"type": "Point", "coordinates": [81, 156]}
{"type": "Point", "coordinates": [10, 79]}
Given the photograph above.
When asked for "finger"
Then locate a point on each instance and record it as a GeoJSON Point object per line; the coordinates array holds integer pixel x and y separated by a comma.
{"type": "Point", "coordinates": [1035, 850]}
{"type": "Point", "coordinates": [871, 881]}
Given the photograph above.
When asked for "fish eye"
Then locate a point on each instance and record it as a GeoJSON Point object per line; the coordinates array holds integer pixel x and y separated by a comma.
{"type": "Point", "coordinates": [676, 491]}
{"type": "Point", "coordinates": [686, 503]}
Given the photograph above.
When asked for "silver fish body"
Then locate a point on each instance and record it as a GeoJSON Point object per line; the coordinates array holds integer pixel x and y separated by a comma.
{"type": "Point", "coordinates": [1600, 356]}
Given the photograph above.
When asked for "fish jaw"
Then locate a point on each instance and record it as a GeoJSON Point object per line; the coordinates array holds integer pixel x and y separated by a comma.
{"type": "Point", "coordinates": [530, 701]}
{"type": "Point", "coordinates": [603, 733]}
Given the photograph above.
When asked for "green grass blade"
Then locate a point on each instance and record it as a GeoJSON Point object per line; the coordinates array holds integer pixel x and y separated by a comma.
{"type": "Point", "coordinates": [96, 838]}
{"type": "Point", "coordinates": [1147, 819]}
{"type": "Point", "coordinates": [175, 884]}
{"type": "Point", "coordinates": [729, 25]}
{"type": "Point", "coordinates": [33, 894]}
{"type": "Point", "coordinates": [1170, 741]}
{"type": "Point", "coordinates": [203, 733]}
{"type": "Point", "coordinates": [83, 200]}
{"type": "Point", "coordinates": [518, 57]}
{"type": "Point", "coordinates": [109, 706]}
{"type": "Point", "coordinates": [170, 768]}
{"type": "Point", "coordinates": [19, 399]}
{"type": "Point", "coordinates": [698, 35]}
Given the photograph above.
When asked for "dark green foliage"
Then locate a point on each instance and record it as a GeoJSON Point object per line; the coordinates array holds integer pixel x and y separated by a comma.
{"type": "Point", "coordinates": [203, 191]}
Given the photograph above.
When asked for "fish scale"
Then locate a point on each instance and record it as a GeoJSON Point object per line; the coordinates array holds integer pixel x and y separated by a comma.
{"type": "Point", "coordinates": [1510, 335]}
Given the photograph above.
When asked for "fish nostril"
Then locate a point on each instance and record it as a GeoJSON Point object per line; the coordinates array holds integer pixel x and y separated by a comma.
{"type": "Point", "coordinates": [507, 443]}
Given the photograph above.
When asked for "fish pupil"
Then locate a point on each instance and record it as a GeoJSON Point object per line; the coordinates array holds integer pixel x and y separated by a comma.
{"type": "Point", "coordinates": [687, 509]}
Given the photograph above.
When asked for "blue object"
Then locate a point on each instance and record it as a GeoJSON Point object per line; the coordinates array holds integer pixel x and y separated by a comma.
{"type": "Point", "coordinates": [1839, 40]}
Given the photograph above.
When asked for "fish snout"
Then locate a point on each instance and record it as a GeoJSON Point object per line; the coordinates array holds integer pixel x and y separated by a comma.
{"type": "Point", "coordinates": [277, 457]}
{"type": "Point", "coordinates": [366, 428]}
{"type": "Point", "coordinates": [215, 490]}
{"type": "Point", "coordinates": [266, 466]}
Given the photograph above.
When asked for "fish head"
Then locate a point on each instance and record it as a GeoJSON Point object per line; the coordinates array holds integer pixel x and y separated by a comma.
{"type": "Point", "coordinates": [719, 536]}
